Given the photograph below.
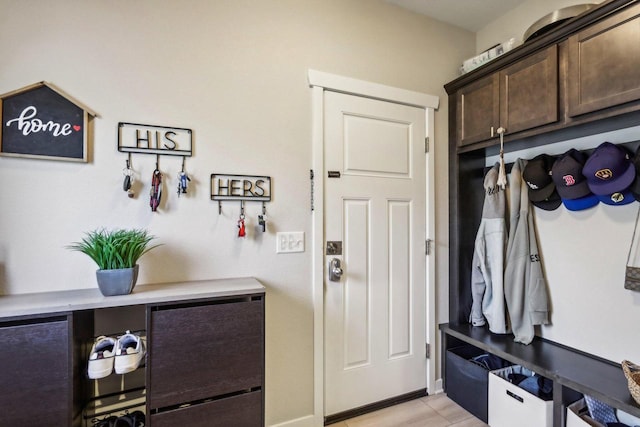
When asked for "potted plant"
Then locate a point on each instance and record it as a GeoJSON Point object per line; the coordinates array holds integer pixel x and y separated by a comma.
{"type": "Point", "coordinates": [116, 253]}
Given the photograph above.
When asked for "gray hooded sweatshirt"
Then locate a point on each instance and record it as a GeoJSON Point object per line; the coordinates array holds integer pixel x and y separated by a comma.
{"type": "Point", "coordinates": [487, 275]}
{"type": "Point", "coordinates": [525, 286]}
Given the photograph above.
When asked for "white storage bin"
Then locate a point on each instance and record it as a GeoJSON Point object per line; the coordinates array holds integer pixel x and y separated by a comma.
{"type": "Point", "coordinates": [578, 415]}
{"type": "Point", "coordinates": [510, 405]}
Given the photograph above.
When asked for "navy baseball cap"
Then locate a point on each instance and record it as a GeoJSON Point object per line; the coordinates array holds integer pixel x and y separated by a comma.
{"type": "Point", "coordinates": [567, 175]}
{"type": "Point", "coordinates": [616, 199]}
{"type": "Point", "coordinates": [537, 175]}
{"type": "Point", "coordinates": [609, 170]}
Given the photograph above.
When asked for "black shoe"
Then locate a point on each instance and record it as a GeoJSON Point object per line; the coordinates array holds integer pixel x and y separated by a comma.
{"type": "Point", "coordinates": [134, 419]}
{"type": "Point", "coordinates": [124, 421]}
{"type": "Point", "coordinates": [138, 419]}
{"type": "Point", "coordinates": [107, 422]}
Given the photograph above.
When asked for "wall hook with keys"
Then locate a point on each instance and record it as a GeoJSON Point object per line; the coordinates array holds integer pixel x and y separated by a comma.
{"type": "Point", "coordinates": [262, 219]}
{"type": "Point", "coordinates": [242, 232]}
{"type": "Point", "coordinates": [128, 178]}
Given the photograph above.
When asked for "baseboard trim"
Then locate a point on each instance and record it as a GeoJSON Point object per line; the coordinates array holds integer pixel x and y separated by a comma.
{"type": "Point", "coordinates": [298, 422]}
{"type": "Point", "coordinates": [438, 387]}
{"type": "Point", "coordinates": [341, 416]}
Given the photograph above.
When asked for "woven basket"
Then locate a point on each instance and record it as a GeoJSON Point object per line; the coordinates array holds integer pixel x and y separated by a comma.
{"type": "Point", "coordinates": [632, 372]}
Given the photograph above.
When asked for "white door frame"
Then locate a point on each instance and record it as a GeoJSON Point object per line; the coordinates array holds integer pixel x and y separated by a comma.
{"type": "Point", "coordinates": [319, 82]}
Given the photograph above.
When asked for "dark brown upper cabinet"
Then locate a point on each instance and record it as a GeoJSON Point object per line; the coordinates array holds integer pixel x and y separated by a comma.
{"type": "Point", "coordinates": [522, 96]}
{"type": "Point", "coordinates": [529, 92]}
{"type": "Point", "coordinates": [604, 63]}
{"type": "Point", "coordinates": [478, 107]}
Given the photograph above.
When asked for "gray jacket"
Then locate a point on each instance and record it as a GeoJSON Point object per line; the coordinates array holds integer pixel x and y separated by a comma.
{"type": "Point", "coordinates": [487, 275]}
{"type": "Point", "coordinates": [525, 285]}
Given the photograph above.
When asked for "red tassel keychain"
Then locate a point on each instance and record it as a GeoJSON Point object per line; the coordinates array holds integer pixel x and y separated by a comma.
{"type": "Point", "coordinates": [241, 229]}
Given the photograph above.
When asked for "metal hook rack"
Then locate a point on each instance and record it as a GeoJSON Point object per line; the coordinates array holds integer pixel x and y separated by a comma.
{"type": "Point", "coordinates": [245, 188]}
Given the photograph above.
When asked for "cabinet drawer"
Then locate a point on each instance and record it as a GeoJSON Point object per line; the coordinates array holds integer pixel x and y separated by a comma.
{"type": "Point", "coordinates": [199, 352]}
{"type": "Point", "coordinates": [35, 374]}
{"type": "Point", "coordinates": [243, 410]}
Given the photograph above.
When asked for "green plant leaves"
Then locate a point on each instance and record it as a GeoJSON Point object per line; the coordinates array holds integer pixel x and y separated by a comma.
{"type": "Point", "coordinates": [114, 249]}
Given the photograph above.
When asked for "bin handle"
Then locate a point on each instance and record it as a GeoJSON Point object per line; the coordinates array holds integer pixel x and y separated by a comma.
{"type": "Point", "coordinates": [515, 396]}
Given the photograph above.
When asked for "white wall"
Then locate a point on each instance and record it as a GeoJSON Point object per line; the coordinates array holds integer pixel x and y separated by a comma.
{"type": "Point", "coordinates": [584, 255]}
{"type": "Point", "coordinates": [235, 72]}
{"type": "Point", "coordinates": [515, 22]}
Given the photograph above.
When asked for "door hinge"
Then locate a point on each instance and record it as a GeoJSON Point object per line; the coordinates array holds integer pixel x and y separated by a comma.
{"type": "Point", "coordinates": [426, 144]}
{"type": "Point", "coordinates": [428, 350]}
{"type": "Point", "coordinates": [428, 247]}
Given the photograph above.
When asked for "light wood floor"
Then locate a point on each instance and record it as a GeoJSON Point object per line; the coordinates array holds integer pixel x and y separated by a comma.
{"type": "Point", "coordinates": [430, 411]}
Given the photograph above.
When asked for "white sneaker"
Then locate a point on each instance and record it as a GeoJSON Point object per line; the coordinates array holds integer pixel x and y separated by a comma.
{"type": "Point", "coordinates": [130, 352]}
{"type": "Point", "coordinates": [101, 357]}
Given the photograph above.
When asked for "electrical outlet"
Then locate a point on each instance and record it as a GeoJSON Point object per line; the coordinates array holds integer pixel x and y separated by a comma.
{"type": "Point", "coordinates": [290, 241]}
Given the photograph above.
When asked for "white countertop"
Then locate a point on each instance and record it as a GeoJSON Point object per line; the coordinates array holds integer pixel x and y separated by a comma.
{"type": "Point", "coordinates": [86, 299]}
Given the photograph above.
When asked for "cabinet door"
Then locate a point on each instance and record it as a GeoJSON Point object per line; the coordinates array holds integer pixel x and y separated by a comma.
{"type": "Point", "coordinates": [478, 110]}
{"type": "Point", "coordinates": [204, 351]}
{"type": "Point", "coordinates": [34, 374]}
{"type": "Point", "coordinates": [604, 63]}
{"type": "Point", "coordinates": [529, 92]}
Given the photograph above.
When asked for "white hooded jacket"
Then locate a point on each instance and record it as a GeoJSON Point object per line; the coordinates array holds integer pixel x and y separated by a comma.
{"type": "Point", "coordinates": [487, 290]}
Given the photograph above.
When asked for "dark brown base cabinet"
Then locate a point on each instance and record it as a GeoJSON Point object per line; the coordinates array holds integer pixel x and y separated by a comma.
{"type": "Point", "coordinates": [204, 363]}
{"type": "Point", "coordinates": [203, 352]}
{"type": "Point", "coordinates": [35, 373]}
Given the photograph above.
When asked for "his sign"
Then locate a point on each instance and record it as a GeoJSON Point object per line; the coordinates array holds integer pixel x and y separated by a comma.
{"type": "Point", "coordinates": [165, 140]}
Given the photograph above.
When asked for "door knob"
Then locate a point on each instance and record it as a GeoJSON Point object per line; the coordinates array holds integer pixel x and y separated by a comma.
{"type": "Point", "coordinates": [335, 270]}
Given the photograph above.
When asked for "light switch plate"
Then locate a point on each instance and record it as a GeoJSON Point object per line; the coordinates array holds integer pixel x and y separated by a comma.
{"type": "Point", "coordinates": [289, 241]}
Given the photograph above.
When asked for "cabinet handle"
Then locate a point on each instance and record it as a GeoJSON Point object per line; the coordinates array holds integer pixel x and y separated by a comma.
{"type": "Point", "coordinates": [491, 131]}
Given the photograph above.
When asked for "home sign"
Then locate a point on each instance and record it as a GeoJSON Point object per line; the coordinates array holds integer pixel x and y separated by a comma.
{"type": "Point", "coordinates": [40, 121]}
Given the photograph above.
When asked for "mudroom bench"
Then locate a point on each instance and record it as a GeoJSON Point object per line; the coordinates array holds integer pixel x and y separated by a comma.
{"type": "Point", "coordinates": [204, 362]}
{"type": "Point", "coordinates": [573, 372]}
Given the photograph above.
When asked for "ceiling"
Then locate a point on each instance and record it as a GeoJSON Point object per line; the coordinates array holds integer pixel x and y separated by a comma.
{"type": "Point", "coordinates": [472, 15]}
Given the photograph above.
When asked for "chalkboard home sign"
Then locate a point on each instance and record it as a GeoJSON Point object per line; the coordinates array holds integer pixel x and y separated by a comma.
{"type": "Point", "coordinates": [40, 121]}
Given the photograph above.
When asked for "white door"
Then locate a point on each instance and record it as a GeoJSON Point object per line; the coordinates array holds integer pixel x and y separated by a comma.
{"type": "Point", "coordinates": [375, 315]}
